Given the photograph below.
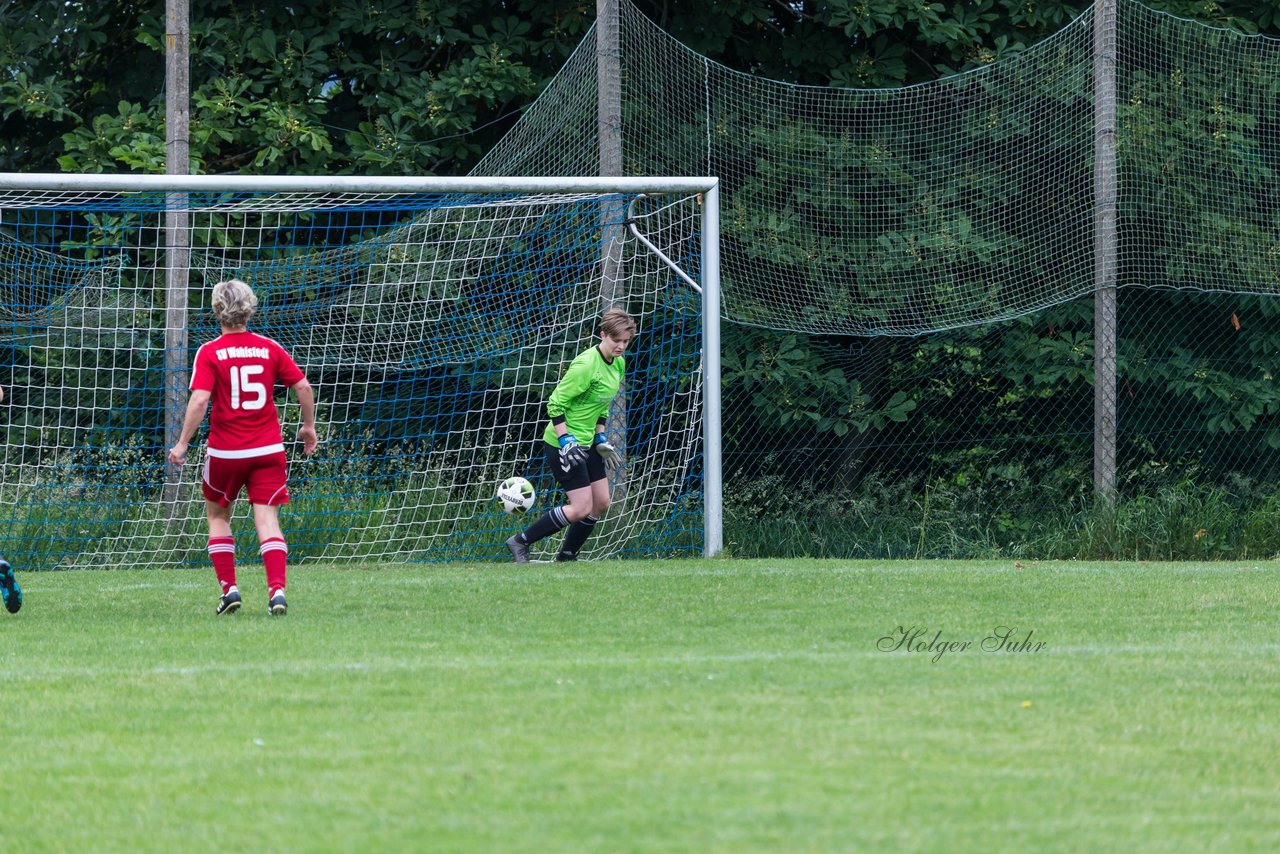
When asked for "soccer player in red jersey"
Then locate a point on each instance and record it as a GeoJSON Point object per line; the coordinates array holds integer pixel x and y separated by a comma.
{"type": "Point", "coordinates": [239, 371]}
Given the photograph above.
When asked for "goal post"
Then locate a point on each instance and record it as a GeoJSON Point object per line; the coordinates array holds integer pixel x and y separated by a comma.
{"type": "Point", "coordinates": [433, 316]}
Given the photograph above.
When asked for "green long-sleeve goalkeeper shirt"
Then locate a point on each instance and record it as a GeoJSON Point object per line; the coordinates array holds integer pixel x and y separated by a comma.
{"type": "Point", "coordinates": [583, 395]}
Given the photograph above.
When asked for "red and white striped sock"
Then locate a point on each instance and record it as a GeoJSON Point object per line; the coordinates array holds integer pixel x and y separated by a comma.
{"type": "Point", "coordinates": [222, 551]}
{"type": "Point", "coordinates": [275, 558]}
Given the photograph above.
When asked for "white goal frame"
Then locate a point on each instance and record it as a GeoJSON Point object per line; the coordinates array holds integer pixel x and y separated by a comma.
{"type": "Point", "coordinates": [177, 238]}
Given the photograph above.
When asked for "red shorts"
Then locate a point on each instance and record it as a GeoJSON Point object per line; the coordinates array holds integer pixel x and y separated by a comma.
{"type": "Point", "coordinates": [266, 477]}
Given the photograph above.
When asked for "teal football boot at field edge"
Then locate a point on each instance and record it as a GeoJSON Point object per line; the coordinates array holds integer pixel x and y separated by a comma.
{"type": "Point", "coordinates": [9, 588]}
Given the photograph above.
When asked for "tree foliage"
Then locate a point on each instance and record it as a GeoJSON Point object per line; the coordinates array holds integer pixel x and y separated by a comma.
{"type": "Point", "coordinates": [339, 86]}
{"type": "Point", "coordinates": [426, 86]}
{"type": "Point", "coordinates": [878, 43]}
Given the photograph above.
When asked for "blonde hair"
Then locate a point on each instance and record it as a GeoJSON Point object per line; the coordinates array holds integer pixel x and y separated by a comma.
{"type": "Point", "coordinates": [615, 322]}
{"type": "Point", "coordinates": [234, 302]}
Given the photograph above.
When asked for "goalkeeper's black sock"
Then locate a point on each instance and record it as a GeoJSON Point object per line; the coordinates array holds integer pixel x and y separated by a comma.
{"type": "Point", "coordinates": [551, 521]}
{"type": "Point", "coordinates": [578, 533]}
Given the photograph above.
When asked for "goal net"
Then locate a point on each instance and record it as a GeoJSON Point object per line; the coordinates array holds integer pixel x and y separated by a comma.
{"type": "Point", "coordinates": [433, 323]}
{"type": "Point", "coordinates": [910, 325]}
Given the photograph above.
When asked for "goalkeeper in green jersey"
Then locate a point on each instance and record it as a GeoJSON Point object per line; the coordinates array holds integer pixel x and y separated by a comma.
{"type": "Point", "coordinates": [578, 408]}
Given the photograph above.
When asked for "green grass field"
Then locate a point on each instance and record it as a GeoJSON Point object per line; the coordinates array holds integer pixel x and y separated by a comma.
{"type": "Point", "coordinates": [667, 705]}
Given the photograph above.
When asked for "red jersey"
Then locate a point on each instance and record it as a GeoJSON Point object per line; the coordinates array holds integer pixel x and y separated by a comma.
{"type": "Point", "coordinates": [242, 369]}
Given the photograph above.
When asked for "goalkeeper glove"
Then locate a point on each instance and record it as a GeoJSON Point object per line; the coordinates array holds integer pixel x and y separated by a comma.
{"type": "Point", "coordinates": [572, 454]}
{"type": "Point", "coordinates": [608, 453]}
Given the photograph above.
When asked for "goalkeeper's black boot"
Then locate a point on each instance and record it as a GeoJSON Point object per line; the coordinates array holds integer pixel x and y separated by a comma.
{"type": "Point", "coordinates": [229, 603]}
{"type": "Point", "coordinates": [519, 550]}
{"type": "Point", "coordinates": [9, 588]}
{"type": "Point", "coordinates": [277, 607]}
{"type": "Point", "coordinates": [566, 557]}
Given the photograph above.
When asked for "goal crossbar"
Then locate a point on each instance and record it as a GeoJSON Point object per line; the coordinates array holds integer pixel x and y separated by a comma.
{"type": "Point", "coordinates": [349, 184]}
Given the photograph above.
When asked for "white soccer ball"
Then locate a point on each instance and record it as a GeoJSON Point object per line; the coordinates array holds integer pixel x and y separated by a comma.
{"type": "Point", "coordinates": [516, 495]}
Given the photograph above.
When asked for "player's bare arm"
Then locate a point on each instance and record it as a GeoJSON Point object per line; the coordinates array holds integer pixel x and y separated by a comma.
{"type": "Point", "coordinates": [196, 406]}
{"type": "Point", "coordinates": [307, 403]}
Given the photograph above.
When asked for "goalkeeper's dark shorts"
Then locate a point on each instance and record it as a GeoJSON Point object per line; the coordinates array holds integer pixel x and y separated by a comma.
{"type": "Point", "coordinates": [578, 476]}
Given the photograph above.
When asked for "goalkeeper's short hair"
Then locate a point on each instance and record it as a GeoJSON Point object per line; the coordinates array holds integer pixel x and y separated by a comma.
{"type": "Point", "coordinates": [616, 322]}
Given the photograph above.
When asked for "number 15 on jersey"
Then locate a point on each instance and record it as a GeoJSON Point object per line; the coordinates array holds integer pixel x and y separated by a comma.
{"type": "Point", "coordinates": [246, 393]}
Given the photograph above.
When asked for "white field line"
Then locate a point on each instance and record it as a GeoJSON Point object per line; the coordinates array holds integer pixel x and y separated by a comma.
{"type": "Point", "coordinates": [429, 662]}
